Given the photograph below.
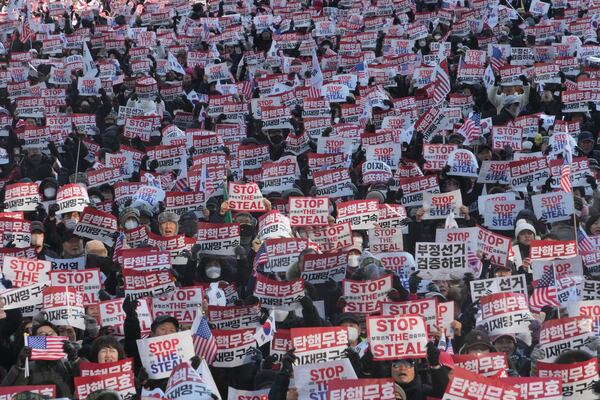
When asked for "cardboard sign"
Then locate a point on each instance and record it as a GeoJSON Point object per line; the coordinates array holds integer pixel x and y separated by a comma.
{"type": "Point", "coordinates": [312, 379]}
{"type": "Point", "coordinates": [21, 196]}
{"type": "Point", "coordinates": [95, 369]}
{"type": "Point", "coordinates": [139, 284]}
{"type": "Point", "coordinates": [441, 260]}
{"type": "Point", "coordinates": [467, 385]}
{"type": "Point", "coordinates": [88, 282]}
{"type": "Point", "coordinates": [218, 239]}
{"type": "Point", "coordinates": [308, 211]}
{"type": "Point", "coordinates": [439, 205]}
{"type": "Point", "coordinates": [279, 295]}
{"type": "Point", "coordinates": [318, 345]}
{"type": "Point", "coordinates": [182, 304]}
{"type": "Point", "coordinates": [502, 216]}
{"type": "Point", "coordinates": [553, 206]}
{"type": "Point", "coordinates": [458, 235]}
{"type": "Point", "coordinates": [365, 297]}
{"type": "Point", "coordinates": [322, 268]}
{"type": "Point", "coordinates": [366, 389]}
{"type": "Point", "coordinates": [577, 378]}
{"type": "Point", "coordinates": [488, 365]}
{"type": "Point", "coordinates": [485, 287]}
{"type": "Point", "coordinates": [71, 197]}
{"type": "Point", "coordinates": [505, 313]}
{"type": "Point", "coordinates": [234, 347]}
{"type": "Point", "coordinates": [332, 237]}
{"type": "Point", "coordinates": [24, 272]}
{"type": "Point", "coordinates": [281, 253]}
{"type": "Point", "coordinates": [550, 249]}
{"type": "Point", "coordinates": [559, 335]}
{"type": "Point", "coordinates": [233, 317]}
{"type": "Point", "coordinates": [97, 225]}
{"type": "Point", "coordinates": [161, 354]}
{"type": "Point", "coordinates": [245, 197]}
{"type": "Point", "coordinates": [361, 214]}
{"type": "Point", "coordinates": [426, 308]}
{"type": "Point", "coordinates": [112, 316]}
{"type": "Point", "coordinates": [63, 306]}
{"type": "Point", "coordinates": [537, 388]}
{"type": "Point", "coordinates": [382, 240]}
{"type": "Point", "coordinates": [121, 382]}
{"type": "Point", "coordinates": [392, 338]}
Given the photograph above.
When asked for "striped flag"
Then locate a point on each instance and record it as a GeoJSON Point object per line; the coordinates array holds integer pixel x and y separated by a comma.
{"type": "Point", "coordinates": [441, 82]}
{"type": "Point", "coordinates": [47, 348]}
{"type": "Point", "coordinates": [205, 344]}
{"type": "Point", "coordinates": [261, 257]}
{"type": "Point", "coordinates": [496, 59]}
{"type": "Point", "coordinates": [584, 243]}
{"type": "Point", "coordinates": [544, 292]}
{"type": "Point", "coordinates": [565, 170]}
{"type": "Point", "coordinates": [471, 129]}
{"type": "Point", "coordinates": [119, 243]}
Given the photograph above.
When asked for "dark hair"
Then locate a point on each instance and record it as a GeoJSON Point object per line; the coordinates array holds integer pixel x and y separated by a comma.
{"type": "Point", "coordinates": [37, 325]}
{"type": "Point", "coordinates": [572, 356]}
{"type": "Point", "coordinates": [103, 342]}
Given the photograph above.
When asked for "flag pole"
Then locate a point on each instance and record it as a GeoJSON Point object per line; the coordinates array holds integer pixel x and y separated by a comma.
{"type": "Point", "coordinates": [26, 373]}
{"type": "Point", "coordinates": [228, 218]}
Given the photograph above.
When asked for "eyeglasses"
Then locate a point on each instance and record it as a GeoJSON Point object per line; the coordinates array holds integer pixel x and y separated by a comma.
{"type": "Point", "coordinates": [403, 364]}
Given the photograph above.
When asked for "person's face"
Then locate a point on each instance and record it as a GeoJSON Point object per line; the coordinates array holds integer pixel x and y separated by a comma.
{"type": "Point", "coordinates": [505, 345]}
{"type": "Point", "coordinates": [166, 328]}
{"type": "Point", "coordinates": [107, 194]}
{"type": "Point", "coordinates": [478, 349]}
{"type": "Point", "coordinates": [73, 247]}
{"type": "Point", "coordinates": [586, 145]}
{"type": "Point", "coordinates": [37, 240]}
{"type": "Point", "coordinates": [93, 311]}
{"type": "Point", "coordinates": [546, 97]}
{"type": "Point", "coordinates": [67, 331]}
{"type": "Point", "coordinates": [484, 155]}
{"type": "Point", "coordinates": [443, 286]}
{"type": "Point", "coordinates": [108, 355]}
{"type": "Point", "coordinates": [168, 228]}
{"type": "Point", "coordinates": [35, 154]}
{"type": "Point", "coordinates": [45, 331]}
{"type": "Point", "coordinates": [595, 228]}
{"type": "Point", "coordinates": [449, 185]}
{"type": "Point", "coordinates": [525, 237]}
{"type": "Point", "coordinates": [27, 327]}
{"type": "Point", "coordinates": [403, 372]}
{"type": "Point", "coordinates": [508, 90]}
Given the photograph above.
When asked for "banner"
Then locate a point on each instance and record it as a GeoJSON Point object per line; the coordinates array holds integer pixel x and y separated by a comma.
{"type": "Point", "coordinates": [365, 389]}
{"type": "Point", "coordinates": [332, 237]}
{"type": "Point", "coordinates": [87, 282]}
{"type": "Point", "coordinates": [138, 284]}
{"type": "Point", "coordinates": [361, 214]}
{"type": "Point", "coordinates": [218, 239]}
{"type": "Point", "coordinates": [577, 378]}
{"type": "Point", "coordinates": [274, 225]}
{"type": "Point", "coordinates": [319, 344]}
{"type": "Point", "coordinates": [537, 388]}
{"type": "Point", "coordinates": [121, 382]}
{"type": "Point", "coordinates": [160, 354]}
{"type": "Point", "coordinates": [393, 338]}
{"type": "Point", "coordinates": [63, 306]}
{"type": "Point", "coordinates": [441, 260]}
{"type": "Point", "coordinates": [489, 365]}
{"type": "Point", "coordinates": [505, 313]}
{"type": "Point", "coordinates": [308, 211]}
{"type": "Point", "coordinates": [439, 205]}
{"type": "Point", "coordinates": [484, 287]}
{"type": "Point", "coordinates": [27, 296]}
{"type": "Point", "coordinates": [554, 206]}
{"type": "Point", "coordinates": [550, 249]}
{"type": "Point", "coordinates": [112, 316]}
{"type": "Point", "coordinates": [282, 253]}
{"type": "Point", "coordinates": [279, 295]}
{"type": "Point", "coordinates": [21, 197]}
{"type": "Point", "coordinates": [95, 369]}
{"type": "Point", "coordinates": [234, 347]}
{"type": "Point", "coordinates": [97, 225]}
{"type": "Point", "coordinates": [24, 271]}
{"type": "Point", "coordinates": [311, 379]}
{"type": "Point", "coordinates": [147, 259]}
{"type": "Point", "coordinates": [426, 308]}
{"type": "Point", "coordinates": [365, 297]}
{"type": "Point", "coordinates": [245, 197]}
{"type": "Point", "coordinates": [184, 303]}
{"type": "Point", "coordinates": [559, 335]}
{"type": "Point", "coordinates": [233, 317]}
{"type": "Point", "coordinates": [323, 268]}
{"type": "Point", "coordinates": [467, 385]}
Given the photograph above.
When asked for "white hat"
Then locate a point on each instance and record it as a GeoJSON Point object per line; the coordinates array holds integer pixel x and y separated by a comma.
{"type": "Point", "coordinates": [523, 225]}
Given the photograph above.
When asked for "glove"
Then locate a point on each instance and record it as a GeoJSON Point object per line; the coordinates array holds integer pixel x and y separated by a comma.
{"type": "Point", "coordinates": [195, 362]}
{"type": "Point", "coordinates": [592, 181]}
{"type": "Point", "coordinates": [70, 350]}
{"type": "Point", "coordinates": [433, 355]}
{"type": "Point", "coordinates": [129, 306]}
{"type": "Point", "coordinates": [23, 355]}
{"type": "Point", "coordinates": [352, 355]}
{"type": "Point", "coordinates": [52, 210]}
{"type": "Point", "coordinates": [240, 252]}
{"type": "Point", "coordinates": [305, 302]}
{"type": "Point", "coordinates": [413, 282]}
{"type": "Point", "coordinates": [468, 277]}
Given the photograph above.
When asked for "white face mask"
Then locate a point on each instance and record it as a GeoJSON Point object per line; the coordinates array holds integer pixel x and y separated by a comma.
{"type": "Point", "coordinates": [213, 272]}
{"type": "Point", "coordinates": [70, 223]}
{"type": "Point", "coordinates": [353, 260]}
{"type": "Point", "coordinates": [352, 333]}
{"type": "Point", "coordinates": [50, 192]}
{"type": "Point", "coordinates": [131, 224]}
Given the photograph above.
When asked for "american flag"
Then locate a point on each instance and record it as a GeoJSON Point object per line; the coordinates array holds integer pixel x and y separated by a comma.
{"type": "Point", "coordinates": [565, 170]}
{"type": "Point", "coordinates": [27, 32]}
{"type": "Point", "coordinates": [119, 243]}
{"type": "Point", "coordinates": [471, 129]}
{"type": "Point", "coordinates": [362, 72]}
{"type": "Point", "coordinates": [584, 243]}
{"type": "Point", "coordinates": [49, 348]}
{"type": "Point", "coordinates": [205, 344]}
{"type": "Point", "coordinates": [496, 59]}
{"type": "Point", "coordinates": [261, 257]}
{"type": "Point", "coordinates": [442, 82]}
{"type": "Point", "coordinates": [544, 292]}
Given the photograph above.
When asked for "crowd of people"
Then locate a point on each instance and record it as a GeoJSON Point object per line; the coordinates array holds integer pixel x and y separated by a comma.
{"type": "Point", "coordinates": [376, 199]}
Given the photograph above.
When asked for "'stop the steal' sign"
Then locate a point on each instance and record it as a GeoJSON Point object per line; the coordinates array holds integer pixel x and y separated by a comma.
{"type": "Point", "coordinates": [395, 337]}
{"type": "Point", "coordinates": [245, 197]}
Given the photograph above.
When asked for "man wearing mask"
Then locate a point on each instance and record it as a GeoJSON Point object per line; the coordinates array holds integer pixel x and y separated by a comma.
{"type": "Point", "coordinates": [38, 234]}
{"type": "Point", "coordinates": [130, 218]}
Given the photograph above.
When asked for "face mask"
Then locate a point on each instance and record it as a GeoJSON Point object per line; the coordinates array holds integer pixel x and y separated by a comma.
{"type": "Point", "coordinates": [131, 224]}
{"type": "Point", "coordinates": [49, 192]}
{"type": "Point", "coordinates": [70, 223]}
{"type": "Point", "coordinates": [352, 333]}
{"type": "Point", "coordinates": [353, 260]}
{"type": "Point", "coordinates": [213, 272]}
{"type": "Point", "coordinates": [422, 43]}
{"type": "Point", "coordinates": [280, 315]}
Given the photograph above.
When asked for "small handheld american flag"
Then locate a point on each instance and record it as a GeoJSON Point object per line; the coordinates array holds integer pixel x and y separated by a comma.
{"type": "Point", "coordinates": [49, 348]}
{"type": "Point", "coordinates": [205, 344]}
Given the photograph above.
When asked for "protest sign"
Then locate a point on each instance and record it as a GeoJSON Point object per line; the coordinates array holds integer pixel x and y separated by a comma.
{"type": "Point", "coordinates": [441, 260]}
{"type": "Point", "coordinates": [238, 394]}
{"type": "Point", "coordinates": [183, 202]}
{"type": "Point", "coordinates": [484, 287]}
{"type": "Point", "coordinates": [396, 337]}
{"type": "Point", "coordinates": [308, 211]}
{"type": "Point", "coordinates": [112, 316]}
{"type": "Point", "coordinates": [121, 382]}
{"type": "Point", "coordinates": [63, 306]}
{"type": "Point", "coordinates": [366, 389]}
{"type": "Point", "coordinates": [550, 249]}
{"type": "Point", "coordinates": [445, 315]}
{"type": "Point", "coordinates": [507, 136]}
{"type": "Point", "coordinates": [426, 308]}
{"type": "Point", "coordinates": [97, 225]}
{"type": "Point", "coordinates": [488, 365]}
{"type": "Point", "coordinates": [218, 239]}
{"type": "Point", "coordinates": [494, 246]}
{"type": "Point", "coordinates": [8, 392]}
{"type": "Point", "coordinates": [15, 232]}
{"type": "Point", "coordinates": [234, 347]}
{"type": "Point", "coordinates": [95, 369]}
{"type": "Point", "coordinates": [62, 264]}
{"type": "Point", "coordinates": [361, 214]}
{"type": "Point", "coordinates": [365, 297]}
{"type": "Point", "coordinates": [323, 268]}
{"type": "Point", "coordinates": [462, 163]}
{"type": "Point", "coordinates": [148, 259]}
{"type": "Point", "coordinates": [279, 295]}
{"type": "Point", "coordinates": [505, 313]}
{"type": "Point", "coordinates": [553, 206]}
{"type": "Point", "coordinates": [282, 253]}
{"type": "Point", "coordinates": [467, 385]}
{"type": "Point", "coordinates": [493, 171]}
{"type": "Point", "coordinates": [21, 196]}
{"type": "Point", "coordinates": [24, 272]}
{"type": "Point", "coordinates": [27, 296]}
{"type": "Point", "coordinates": [184, 303]}
{"type": "Point", "coordinates": [382, 240]}
{"type": "Point", "coordinates": [273, 225]}
{"type": "Point", "coordinates": [88, 282]}
{"type": "Point", "coordinates": [534, 172]}
{"type": "Point", "coordinates": [571, 333]}
{"type": "Point", "coordinates": [537, 388]}
{"type": "Point", "coordinates": [439, 205]}
{"type": "Point", "coordinates": [138, 284]}
{"type": "Point", "coordinates": [415, 187]}
{"type": "Point", "coordinates": [590, 290]}
{"type": "Point", "coordinates": [161, 354]}
{"type": "Point", "coordinates": [311, 379]}
{"type": "Point", "coordinates": [458, 235]}
{"type": "Point", "coordinates": [436, 155]}
{"type": "Point", "coordinates": [233, 317]}
{"type": "Point", "coordinates": [502, 216]}
{"type": "Point", "coordinates": [577, 378]}
{"type": "Point", "coordinates": [572, 267]}
{"type": "Point", "coordinates": [245, 197]}
{"type": "Point", "coordinates": [319, 344]}
{"type": "Point", "coordinates": [332, 237]}
{"type": "Point", "coordinates": [333, 183]}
